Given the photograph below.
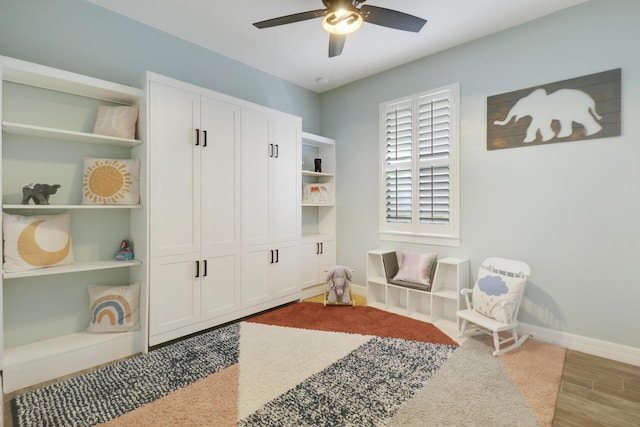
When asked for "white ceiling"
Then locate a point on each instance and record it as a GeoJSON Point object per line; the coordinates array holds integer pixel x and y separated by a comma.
{"type": "Point", "coordinates": [298, 52]}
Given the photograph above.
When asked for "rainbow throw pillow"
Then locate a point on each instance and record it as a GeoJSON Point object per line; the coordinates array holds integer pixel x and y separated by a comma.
{"type": "Point", "coordinates": [114, 308]}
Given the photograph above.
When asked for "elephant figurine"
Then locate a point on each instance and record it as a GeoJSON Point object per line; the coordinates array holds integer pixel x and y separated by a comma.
{"type": "Point", "coordinates": [338, 284]}
{"type": "Point", "coordinates": [564, 105]}
{"type": "Point", "coordinates": [39, 193]}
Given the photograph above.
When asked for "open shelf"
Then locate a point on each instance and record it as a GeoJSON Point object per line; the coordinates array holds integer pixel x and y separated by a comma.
{"type": "Point", "coordinates": [67, 207]}
{"type": "Point", "coordinates": [317, 174]}
{"type": "Point", "coordinates": [318, 214]}
{"type": "Point", "coordinates": [317, 204]}
{"type": "Point", "coordinates": [446, 294]}
{"type": "Point", "coordinates": [67, 135]}
{"type": "Point", "coordinates": [73, 268]}
{"type": "Point", "coordinates": [26, 73]}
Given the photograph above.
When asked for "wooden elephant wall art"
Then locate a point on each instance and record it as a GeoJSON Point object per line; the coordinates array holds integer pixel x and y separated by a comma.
{"type": "Point", "coordinates": [570, 110]}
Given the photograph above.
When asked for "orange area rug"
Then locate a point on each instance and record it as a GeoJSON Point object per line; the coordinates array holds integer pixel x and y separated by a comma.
{"type": "Point", "coordinates": [353, 320]}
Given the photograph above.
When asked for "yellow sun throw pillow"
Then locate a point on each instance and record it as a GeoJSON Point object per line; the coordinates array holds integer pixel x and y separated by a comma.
{"type": "Point", "coordinates": [119, 121]}
{"type": "Point", "coordinates": [111, 181]}
{"type": "Point", "coordinates": [32, 242]}
{"type": "Point", "coordinates": [114, 308]}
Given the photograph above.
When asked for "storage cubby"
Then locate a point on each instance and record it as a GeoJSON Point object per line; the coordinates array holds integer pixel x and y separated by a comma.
{"type": "Point", "coordinates": [439, 306]}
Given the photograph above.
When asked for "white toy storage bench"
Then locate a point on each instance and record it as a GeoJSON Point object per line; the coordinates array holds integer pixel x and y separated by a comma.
{"type": "Point", "coordinates": [436, 303]}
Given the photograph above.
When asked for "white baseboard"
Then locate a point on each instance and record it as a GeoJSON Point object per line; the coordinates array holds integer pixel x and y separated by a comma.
{"type": "Point", "coordinates": [608, 350]}
{"type": "Point", "coordinates": [312, 291]}
{"type": "Point", "coordinates": [359, 290]}
{"type": "Point", "coordinates": [318, 289]}
{"type": "Point", "coordinates": [53, 358]}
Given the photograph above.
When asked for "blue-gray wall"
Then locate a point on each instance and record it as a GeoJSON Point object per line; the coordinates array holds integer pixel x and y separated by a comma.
{"type": "Point", "coordinates": [571, 210]}
{"type": "Point", "coordinates": [79, 36]}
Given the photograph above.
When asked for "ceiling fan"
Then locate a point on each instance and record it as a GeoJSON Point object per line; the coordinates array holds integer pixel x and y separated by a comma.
{"type": "Point", "coordinates": [342, 17]}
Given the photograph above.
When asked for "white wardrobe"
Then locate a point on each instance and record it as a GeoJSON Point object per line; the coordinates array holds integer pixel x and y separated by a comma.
{"type": "Point", "coordinates": [224, 208]}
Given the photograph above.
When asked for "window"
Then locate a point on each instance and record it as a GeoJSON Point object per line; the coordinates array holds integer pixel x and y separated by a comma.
{"type": "Point", "coordinates": [419, 185]}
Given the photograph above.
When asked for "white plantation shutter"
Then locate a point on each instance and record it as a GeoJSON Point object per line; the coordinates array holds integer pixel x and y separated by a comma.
{"type": "Point", "coordinates": [419, 177]}
{"type": "Point", "coordinates": [434, 131]}
{"type": "Point", "coordinates": [398, 158]}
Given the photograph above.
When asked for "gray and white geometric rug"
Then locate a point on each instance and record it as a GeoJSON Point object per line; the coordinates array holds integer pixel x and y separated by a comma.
{"type": "Point", "coordinates": [252, 374]}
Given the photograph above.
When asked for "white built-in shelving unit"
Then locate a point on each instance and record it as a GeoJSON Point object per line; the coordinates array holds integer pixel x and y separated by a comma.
{"type": "Point", "coordinates": [47, 119]}
{"type": "Point", "coordinates": [318, 219]}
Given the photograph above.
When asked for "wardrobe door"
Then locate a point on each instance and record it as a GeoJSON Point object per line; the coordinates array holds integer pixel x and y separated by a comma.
{"type": "Point", "coordinates": [257, 151]}
{"type": "Point", "coordinates": [286, 179]}
{"type": "Point", "coordinates": [175, 294]}
{"type": "Point", "coordinates": [285, 272]}
{"type": "Point", "coordinates": [219, 285]}
{"type": "Point", "coordinates": [256, 266]}
{"type": "Point", "coordinates": [220, 186]}
{"type": "Point", "coordinates": [175, 171]}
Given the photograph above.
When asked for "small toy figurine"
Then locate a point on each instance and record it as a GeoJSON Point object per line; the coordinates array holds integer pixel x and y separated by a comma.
{"type": "Point", "coordinates": [38, 192]}
{"type": "Point", "coordinates": [126, 250]}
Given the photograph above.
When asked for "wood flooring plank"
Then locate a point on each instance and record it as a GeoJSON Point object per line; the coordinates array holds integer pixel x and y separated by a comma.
{"type": "Point", "coordinates": [595, 412]}
{"type": "Point", "coordinates": [568, 418]}
{"type": "Point", "coordinates": [576, 377]}
{"type": "Point", "coordinates": [602, 366]}
{"type": "Point", "coordinates": [632, 385]}
{"type": "Point", "coordinates": [622, 393]}
{"type": "Point", "coordinates": [597, 392]}
{"type": "Point", "coordinates": [599, 407]}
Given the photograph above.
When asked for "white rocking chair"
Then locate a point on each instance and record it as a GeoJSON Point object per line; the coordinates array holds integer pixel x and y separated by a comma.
{"type": "Point", "coordinates": [505, 310]}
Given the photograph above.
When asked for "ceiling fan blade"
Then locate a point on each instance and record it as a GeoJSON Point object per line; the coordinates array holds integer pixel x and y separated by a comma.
{"type": "Point", "coordinates": [290, 19]}
{"type": "Point", "coordinates": [336, 43]}
{"type": "Point", "coordinates": [392, 18]}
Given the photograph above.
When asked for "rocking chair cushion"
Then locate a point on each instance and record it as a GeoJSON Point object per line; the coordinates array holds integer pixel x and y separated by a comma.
{"type": "Point", "coordinates": [493, 288]}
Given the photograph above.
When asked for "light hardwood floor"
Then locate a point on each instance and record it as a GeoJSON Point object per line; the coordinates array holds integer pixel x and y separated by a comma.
{"type": "Point", "coordinates": [597, 392]}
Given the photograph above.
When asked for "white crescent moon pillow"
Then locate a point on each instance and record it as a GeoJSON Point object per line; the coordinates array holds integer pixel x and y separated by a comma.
{"type": "Point", "coordinates": [32, 242]}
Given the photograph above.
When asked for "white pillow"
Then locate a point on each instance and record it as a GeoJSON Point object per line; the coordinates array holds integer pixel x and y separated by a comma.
{"type": "Point", "coordinates": [416, 267]}
{"type": "Point", "coordinates": [111, 181]}
{"type": "Point", "coordinates": [119, 121]}
{"type": "Point", "coordinates": [114, 308]}
{"type": "Point", "coordinates": [491, 289]}
{"type": "Point", "coordinates": [32, 242]}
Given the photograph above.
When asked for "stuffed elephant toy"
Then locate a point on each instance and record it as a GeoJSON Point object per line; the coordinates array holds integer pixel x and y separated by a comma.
{"type": "Point", "coordinates": [338, 284]}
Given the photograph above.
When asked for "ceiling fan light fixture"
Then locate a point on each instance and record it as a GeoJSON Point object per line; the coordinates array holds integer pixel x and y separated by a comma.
{"type": "Point", "coordinates": [342, 21]}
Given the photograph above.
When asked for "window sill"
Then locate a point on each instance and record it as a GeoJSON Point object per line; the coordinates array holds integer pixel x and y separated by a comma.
{"type": "Point", "coordinates": [426, 239]}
